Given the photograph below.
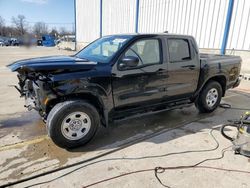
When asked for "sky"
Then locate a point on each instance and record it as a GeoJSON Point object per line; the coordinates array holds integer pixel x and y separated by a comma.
{"type": "Point", "coordinates": [56, 13]}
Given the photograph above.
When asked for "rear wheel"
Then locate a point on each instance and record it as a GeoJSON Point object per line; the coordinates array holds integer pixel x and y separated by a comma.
{"type": "Point", "coordinates": [72, 123]}
{"type": "Point", "coordinates": [209, 98]}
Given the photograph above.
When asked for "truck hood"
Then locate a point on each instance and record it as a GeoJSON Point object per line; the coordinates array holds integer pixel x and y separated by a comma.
{"type": "Point", "coordinates": [52, 63]}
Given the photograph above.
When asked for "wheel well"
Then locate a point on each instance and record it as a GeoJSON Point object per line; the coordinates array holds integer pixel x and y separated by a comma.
{"type": "Point", "coordinates": [86, 96]}
{"type": "Point", "coordinates": [222, 81]}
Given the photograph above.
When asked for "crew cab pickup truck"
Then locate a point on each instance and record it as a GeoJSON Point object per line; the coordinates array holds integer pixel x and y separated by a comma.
{"type": "Point", "coordinates": [120, 76]}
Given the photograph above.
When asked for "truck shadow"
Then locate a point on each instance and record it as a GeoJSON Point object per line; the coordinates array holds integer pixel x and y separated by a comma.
{"type": "Point", "coordinates": [126, 131]}
{"type": "Point", "coordinates": [123, 132]}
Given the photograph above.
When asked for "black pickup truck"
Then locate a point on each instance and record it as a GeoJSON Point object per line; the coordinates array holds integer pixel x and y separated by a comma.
{"type": "Point", "coordinates": [119, 76]}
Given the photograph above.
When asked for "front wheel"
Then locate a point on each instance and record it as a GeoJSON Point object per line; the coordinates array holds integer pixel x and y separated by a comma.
{"type": "Point", "coordinates": [72, 123]}
{"type": "Point", "coordinates": [209, 97]}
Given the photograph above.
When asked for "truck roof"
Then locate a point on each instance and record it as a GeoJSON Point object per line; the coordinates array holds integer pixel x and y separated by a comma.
{"type": "Point", "coordinates": [150, 34]}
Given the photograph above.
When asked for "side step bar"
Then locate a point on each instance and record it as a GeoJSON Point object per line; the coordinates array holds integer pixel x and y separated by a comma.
{"type": "Point", "coordinates": [150, 112]}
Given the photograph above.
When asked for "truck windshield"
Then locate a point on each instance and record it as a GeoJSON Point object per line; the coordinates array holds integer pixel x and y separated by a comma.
{"type": "Point", "coordinates": [103, 49]}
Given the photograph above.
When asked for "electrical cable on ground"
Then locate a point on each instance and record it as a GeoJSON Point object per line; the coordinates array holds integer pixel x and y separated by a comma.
{"type": "Point", "coordinates": [136, 158]}
{"type": "Point", "coordinates": [88, 160]}
{"type": "Point", "coordinates": [229, 106]}
{"type": "Point", "coordinates": [226, 106]}
{"type": "Point", "coordinates": [134, 141]}
{"type": "Point", "coordinates": [159, 170]}
{"type": "Point", "coordinates": [139, 158]}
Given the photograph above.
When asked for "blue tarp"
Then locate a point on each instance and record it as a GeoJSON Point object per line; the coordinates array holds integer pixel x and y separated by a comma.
{"type": "Point", "coordinates": [48, 40]}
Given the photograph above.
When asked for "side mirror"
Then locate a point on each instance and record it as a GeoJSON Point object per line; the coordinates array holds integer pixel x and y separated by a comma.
{"type": "Point", "coordinates": [128, 62]}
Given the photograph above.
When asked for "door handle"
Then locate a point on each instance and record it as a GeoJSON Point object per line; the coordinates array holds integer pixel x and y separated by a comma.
{"type": "Point", "coordinates": [191, 67]}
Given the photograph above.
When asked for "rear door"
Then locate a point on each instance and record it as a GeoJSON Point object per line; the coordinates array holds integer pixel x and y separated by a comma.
{"type": "Point", "coordinates": [183, 67]}
{"type": "Point", "coordinates": [145, 83]}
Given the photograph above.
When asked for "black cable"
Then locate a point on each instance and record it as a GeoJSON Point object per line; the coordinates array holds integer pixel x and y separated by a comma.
{"type": "Point", "coordinates": [136, 158]}
{"type": "Point", "coordinates": [88, 160]}
{"type": "Point", "coordinates": [81, 162]}
{"type": "Point", "coordinates": [229, 106]}
{"type": "Point", "coordinates": [224, 134]}
{"type": "Point", "coordinates": [223, 105]}
{"type": "Point", "coordinates": [159, 170]}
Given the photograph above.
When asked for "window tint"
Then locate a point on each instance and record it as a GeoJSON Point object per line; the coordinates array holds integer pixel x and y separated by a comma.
{"type": "Point", "coordinates": [178, 50]}
{"type": "Point", "coordinates": [148, 51]}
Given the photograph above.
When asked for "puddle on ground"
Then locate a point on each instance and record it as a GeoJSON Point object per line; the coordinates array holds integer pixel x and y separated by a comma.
{"type": "Point", "coordinates": [45, 155]}
{"type": "Point", "coordinates": [24, 126]}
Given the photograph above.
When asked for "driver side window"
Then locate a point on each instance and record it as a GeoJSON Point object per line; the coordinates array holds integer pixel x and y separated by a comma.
{"type": "Point", "coordinates": [147, 51]}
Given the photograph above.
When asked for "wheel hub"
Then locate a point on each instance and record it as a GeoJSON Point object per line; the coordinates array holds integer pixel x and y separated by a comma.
{"type": "Point", "coordinates": [76, 125]}
{"type": "Point", "coordinates": [212, 97]}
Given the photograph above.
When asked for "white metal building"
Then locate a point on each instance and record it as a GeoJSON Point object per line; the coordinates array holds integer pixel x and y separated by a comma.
{"type": "Point", "coordinates": [204, 19]}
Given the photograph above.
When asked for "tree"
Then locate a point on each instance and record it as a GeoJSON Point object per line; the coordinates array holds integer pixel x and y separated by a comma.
{"type": "Point", "coordinates": [40, 28]}
{"type": "Point", "coordinates": [20, 24]}
{"type": "Point", "coordinates": [1, 25]}
{"type": "Point", "coordinates": [9, 31]}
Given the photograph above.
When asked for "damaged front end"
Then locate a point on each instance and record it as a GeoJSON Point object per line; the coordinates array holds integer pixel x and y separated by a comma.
{"type": "Point", "coordinates": [35, 88]}
{"type": "Point", "coordinates": [36, 78]}
{"type": "Point", "coordinates": [26, 90]}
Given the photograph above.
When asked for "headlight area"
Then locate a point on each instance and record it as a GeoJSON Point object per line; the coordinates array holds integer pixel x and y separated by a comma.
{"type": "Point", "coordinates": [37, 90]}
{"type": "Point", "coordinates": [43, 88]}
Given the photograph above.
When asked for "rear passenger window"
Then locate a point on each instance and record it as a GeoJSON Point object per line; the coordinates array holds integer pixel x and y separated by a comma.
{"type": "Point", "coordinates": [179, 50]}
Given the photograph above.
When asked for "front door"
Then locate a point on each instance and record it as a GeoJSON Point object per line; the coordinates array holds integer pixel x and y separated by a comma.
{"type": "Point", "coordinates": [145, 83]}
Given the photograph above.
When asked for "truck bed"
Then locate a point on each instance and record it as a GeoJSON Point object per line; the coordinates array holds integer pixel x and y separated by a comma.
{"type": "Point", "coordinates": [227, 65]}
{"type": "Point", "coordinates": [212, 57]}
{"type": "Point", "coordinates": [227, 61]}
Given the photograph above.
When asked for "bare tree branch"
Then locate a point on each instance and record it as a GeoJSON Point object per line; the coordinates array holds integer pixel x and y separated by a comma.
{"type": "Point", "coordinates": [40, 28]}
{"type": "Point", "coordinates": [20, 23]}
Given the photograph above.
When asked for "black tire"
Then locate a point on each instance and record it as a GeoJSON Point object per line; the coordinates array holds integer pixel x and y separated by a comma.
{"type": "Point", "coordinates": [57, 116]}
{"type": "Point", "coordinates": [201, 102]}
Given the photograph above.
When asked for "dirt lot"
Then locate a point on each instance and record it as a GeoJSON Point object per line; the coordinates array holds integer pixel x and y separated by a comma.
{"type": "Point", "coordinates": [26, 150]}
